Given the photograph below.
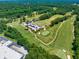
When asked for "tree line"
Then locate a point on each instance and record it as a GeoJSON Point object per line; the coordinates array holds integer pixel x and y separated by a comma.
{"type": "Point", "coordinates": [3, 26]}
{"type": "Point", "coordinates": [76, 40]}
{"type": "Point", "coordinates": [34, 51]}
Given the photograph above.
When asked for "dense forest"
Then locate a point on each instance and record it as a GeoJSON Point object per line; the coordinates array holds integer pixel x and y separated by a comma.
{"type": "Point", "coordinates": [17, 10]}
{"type": "Point", "coordinates": [76, 40]}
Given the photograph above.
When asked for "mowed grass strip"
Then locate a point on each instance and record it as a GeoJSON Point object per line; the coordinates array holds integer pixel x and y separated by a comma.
{"type": "Point", "coordinates": [32, 17]}
{"type": "Point", "coordinates": [26, 34]}
{"type": "Point", "coordinates": [49, 36]}
{"type": "Point", "coordinates": [47, 21]}
{"type": "Point", "coordinates": [65, 35]}
{"type": "Point", "coordinates": [60, 53]}
{"type": "Point", "coordinates": [64, 39]}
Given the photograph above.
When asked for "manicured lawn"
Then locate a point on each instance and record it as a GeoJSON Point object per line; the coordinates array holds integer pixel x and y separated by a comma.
{"type": "Point", "coordinates": [64, 37]}
{"type": "Point", "coordinates": [45, 33]}
{"type": "Point", "coordinates": [33, 17]}
{"type": "Point", "coordinates": [50, 36]}
{"type": "Point", "coordinates": [26, 34]}
{"type": "Point", "coordinates": [48, 21]}
{"type": "Point", "coordinates": [60, 53]}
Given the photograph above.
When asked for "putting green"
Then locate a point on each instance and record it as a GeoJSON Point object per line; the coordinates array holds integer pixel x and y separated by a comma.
{"type": "Point", "coordinates": [45, 33]}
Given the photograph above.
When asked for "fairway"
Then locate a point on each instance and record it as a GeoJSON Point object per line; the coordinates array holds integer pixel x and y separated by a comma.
{"type": "Point", "coordinates": [51, 36]}
{"type": "Point", "coordinates": [65, 34]}
{"type": "Point", "coordinates": [48, 21]}
{"type": "Point", "coordinates": [59, 36]}
{"type": "Point", "coordinates": [59, 52]}
{"type": "Point", "coordinates": [45, 33]}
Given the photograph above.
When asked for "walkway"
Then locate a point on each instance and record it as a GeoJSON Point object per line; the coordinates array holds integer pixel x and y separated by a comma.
{"type": "Point", "coordinates": [54, 37]}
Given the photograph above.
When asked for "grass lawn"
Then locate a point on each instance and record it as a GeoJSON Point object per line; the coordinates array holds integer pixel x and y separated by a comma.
{"type": "Point", "coordinates": [32, 17]}
{"type": "Point", "coordinates": [51, 35]}
{"type": "Point", "coordinates": [48, 21]}
{"type": "Point", "coordinates": [26, 34]}
{"type": "Point", "coordinates": [64, 37]}
{"type": "Point", "coordinates": [2, 35]}
{"type": "Point", "coordinates": [59, 52]}
{"type": "Point", "coordinates": [45, 33]}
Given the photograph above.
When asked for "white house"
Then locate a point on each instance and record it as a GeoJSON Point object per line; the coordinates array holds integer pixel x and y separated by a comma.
{"type": "Point", "coordinates": [32, 26]}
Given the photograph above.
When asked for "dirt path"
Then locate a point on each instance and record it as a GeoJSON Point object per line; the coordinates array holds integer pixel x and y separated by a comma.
{"type": "Point", "coordinates": [56, 33]}
{"type": "Point", "coordinates": [54, 37]}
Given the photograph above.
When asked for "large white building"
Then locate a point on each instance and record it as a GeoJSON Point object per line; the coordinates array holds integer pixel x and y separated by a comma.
{"type": "Point", "coordinates": [32, 26]}
{"type": "Point", "coordinates": [10, 50]}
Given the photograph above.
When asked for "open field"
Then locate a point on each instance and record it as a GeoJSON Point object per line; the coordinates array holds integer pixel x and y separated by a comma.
{"type": "Point", "coordinates": [32, 17]}
{"type": "Point", "coordinates": [44, 29]}
{"type": "Point", "coordinates": [48, 21]}
{"type": "Point", "coordinates": [64, 37]}
{"type": "Point", "coordinates": [52, 32]}
{"type": "Point", "coordinates": [26, 34]}
{"type": "Point", "coordinates": [65, 34]}
{"type": "Point", "coordinates": [59, 52]}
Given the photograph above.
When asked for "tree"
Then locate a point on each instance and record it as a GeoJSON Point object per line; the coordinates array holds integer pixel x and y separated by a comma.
{"type": "Point", "coordinates": [3, 26]}
{"type": "Point", "coordinates": [45, 16]}
{"type": "Point", "coordinates": [76, 41]}
{"type": "Point", "coordinates": [24, 19]}
{"type": "Point", "coordinates": [39, 53]}
{"type": "Point", "coordinates": [58, 20]}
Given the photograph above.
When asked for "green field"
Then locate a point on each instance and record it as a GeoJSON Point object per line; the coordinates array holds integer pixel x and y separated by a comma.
{"type": "Point", "coordinates": [65, 36]}
{"type": "Point", "coordinates": [48, 21]}
{"type": "Point", "coordinates": [58, 33]}
{"type": "Point", "coordinates": [52, 32]}
{"type": "Point", "coordinates": [63, 40]}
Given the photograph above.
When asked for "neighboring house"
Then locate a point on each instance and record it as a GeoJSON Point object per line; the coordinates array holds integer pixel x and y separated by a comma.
{"type": "Point", "coordinates": [10, 50]}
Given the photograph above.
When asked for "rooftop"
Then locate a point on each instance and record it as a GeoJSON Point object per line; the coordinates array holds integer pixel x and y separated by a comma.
{"type": "Point", "coordinates": [32, 26]}
{"type": "Point", "coordinates": [11, 50]}
{"type": "Point", "coordinates": [8, 53]}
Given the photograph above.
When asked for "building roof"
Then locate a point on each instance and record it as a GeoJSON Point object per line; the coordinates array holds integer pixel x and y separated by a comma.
{"type": "Point", "coordinates": [1, 38]}
{"type": "Point", "coordinates": [32, 26]}
{"type": "Point", "coordinates": [10, 50]}
{"type": "Point", "coordinates": [8, 53]}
